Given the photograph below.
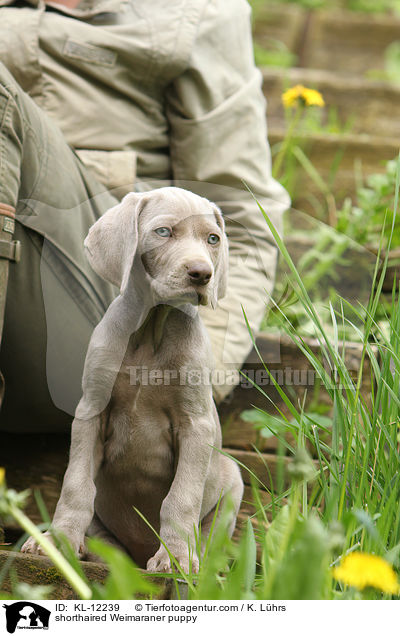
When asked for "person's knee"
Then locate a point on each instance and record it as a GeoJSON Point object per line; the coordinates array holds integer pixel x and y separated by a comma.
{"type": "Point", "coordinates": [8, 84]}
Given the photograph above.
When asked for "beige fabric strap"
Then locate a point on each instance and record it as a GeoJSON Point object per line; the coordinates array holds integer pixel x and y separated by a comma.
{"type": "Point", "coordinates": [7, 210]}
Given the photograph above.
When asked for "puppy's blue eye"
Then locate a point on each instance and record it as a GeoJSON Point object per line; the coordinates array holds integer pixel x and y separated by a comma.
{"type": "Point", "coordinates": [213, 239]}
{"type": "Point", "coordinates": [165, 232]}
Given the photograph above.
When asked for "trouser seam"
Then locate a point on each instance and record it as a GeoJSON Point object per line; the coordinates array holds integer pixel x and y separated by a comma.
{"type": "Point", "coordinates": [28, 130]}
{"type": "Point", "coordinates": [2, 147]}
{"type": "Point", "coordinates": [43, 163]}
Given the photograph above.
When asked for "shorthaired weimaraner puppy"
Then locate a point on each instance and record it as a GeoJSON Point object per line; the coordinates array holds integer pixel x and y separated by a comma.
{"type": "Point", "coordinates": [146, 432]}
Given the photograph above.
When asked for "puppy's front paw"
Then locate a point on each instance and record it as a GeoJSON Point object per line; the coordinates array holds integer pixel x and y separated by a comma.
{"type": "Point", "coordinates": [160, 562]}
{"type": "Point", "coordinates": [32, 547]}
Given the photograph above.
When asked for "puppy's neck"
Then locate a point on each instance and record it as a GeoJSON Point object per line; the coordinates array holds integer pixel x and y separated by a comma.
{"type": "Point", "coordinates": [155, 324]}
{"type": "Point", "coordinates": [160, 315]}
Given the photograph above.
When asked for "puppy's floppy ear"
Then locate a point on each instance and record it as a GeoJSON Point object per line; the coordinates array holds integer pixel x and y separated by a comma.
{"type": "Point", "coordinates": [112, 241]}
{"type": "Point", "coordinates": [221, 266]}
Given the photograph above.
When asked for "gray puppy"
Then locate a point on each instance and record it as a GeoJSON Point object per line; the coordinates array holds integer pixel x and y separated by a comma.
{"type": "Point", "coordinates": [144, 435]}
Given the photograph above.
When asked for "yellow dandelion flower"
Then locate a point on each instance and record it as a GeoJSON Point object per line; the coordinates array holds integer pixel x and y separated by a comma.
{"type": "Point", "coordinates": [301, 94]}
{"type": "Point", "coordinates": [2, 475]}
{"type": "Point", "coordinates": [362, 570]}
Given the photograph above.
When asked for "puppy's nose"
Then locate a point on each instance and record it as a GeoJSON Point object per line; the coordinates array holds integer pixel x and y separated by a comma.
{"type": "Point", "coordinates": [199, 273]}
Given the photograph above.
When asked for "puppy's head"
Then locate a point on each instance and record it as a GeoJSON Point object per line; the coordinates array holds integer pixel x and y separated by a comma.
{"type": "Point", "coordinates": [171, 237]}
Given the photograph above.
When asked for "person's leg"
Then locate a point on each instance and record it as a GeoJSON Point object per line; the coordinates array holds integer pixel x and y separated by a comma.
{"type": "Point", "coordinates": [248, 294]}
{"type": "Point", "coordinates": [253, 258]}
{"type": "Point", "coordinates": [54, 299]}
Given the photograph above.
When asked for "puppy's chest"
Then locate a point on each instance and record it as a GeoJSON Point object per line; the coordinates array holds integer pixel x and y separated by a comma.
{"type": "Point", "coordinates": [144, 418]}
{"type": "Point", "coordinates": [151, 399]}
{"type": "Point", "coordinates": [161, 379]}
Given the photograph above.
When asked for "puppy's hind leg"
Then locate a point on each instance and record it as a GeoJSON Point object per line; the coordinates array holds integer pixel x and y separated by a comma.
{"type": "Point", "coordinates": [98, 530]}
{"type": "Point", "coordinates": [232, 493]}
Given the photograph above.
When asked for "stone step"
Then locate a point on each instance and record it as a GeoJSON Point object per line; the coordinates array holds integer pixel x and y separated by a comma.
{"type": "Point", "coordinates": [39, 570]}
{"type": "Point", "coordinates": [279, 23]}
{"type": "Point", "coordinates": [357, 156]}
{"type": "Point", "coordinates": [264, 467]}
{"type": "Point", "coordinates": [337, 40]}
{"type": "Point", "coordinates": [365, 106]}
{"type": "Point", "coordinates": [350, 42]}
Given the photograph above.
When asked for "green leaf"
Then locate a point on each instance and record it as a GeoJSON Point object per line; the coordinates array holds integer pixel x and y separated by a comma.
{"type": "Point", "coordinates": [320, 420]}
{"type": "Point", "coordinates": [274, 538]}
{"type": "Point", "coordinates": [240, 579]}
{"type": "Point", "coordinates": [250, 555]}
{"type": "Point", "coordinates": [269, 425]}
{"type": "Point", "coordinates": [303, 572]}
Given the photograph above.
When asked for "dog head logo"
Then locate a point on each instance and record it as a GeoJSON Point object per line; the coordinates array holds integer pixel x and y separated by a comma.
{"type": "Point", "coordinates": [26, 615]}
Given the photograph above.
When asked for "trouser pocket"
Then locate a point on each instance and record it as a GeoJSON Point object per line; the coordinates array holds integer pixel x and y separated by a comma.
{"type": "Point", "coordinates": [115, 169]}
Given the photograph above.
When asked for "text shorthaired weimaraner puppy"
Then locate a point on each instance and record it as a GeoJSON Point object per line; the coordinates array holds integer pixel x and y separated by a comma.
{"type": "Point", "coordinates": [144, 435]}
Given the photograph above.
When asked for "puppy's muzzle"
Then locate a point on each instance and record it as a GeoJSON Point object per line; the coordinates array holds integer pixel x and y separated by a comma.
{"type": "Point", "coordinates": [199, 273]}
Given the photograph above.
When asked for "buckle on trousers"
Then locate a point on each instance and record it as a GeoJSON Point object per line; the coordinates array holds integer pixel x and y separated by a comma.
{"type": "Point", "coordinates": [10, 250]}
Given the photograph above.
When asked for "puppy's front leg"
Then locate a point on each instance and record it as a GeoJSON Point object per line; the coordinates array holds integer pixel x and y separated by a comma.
{"type": "Point", "coordinates": [180, 510]}
{"type": "Point", "coordinates": [75, 506]}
